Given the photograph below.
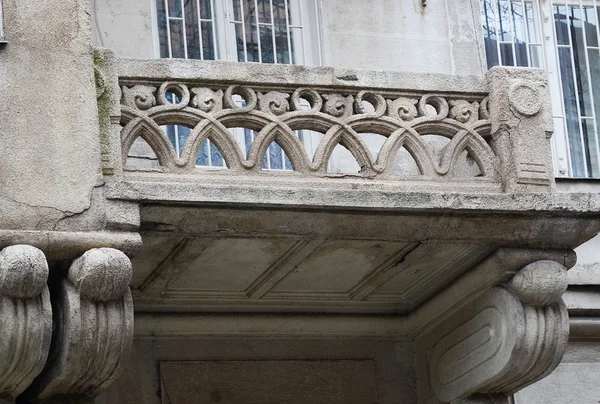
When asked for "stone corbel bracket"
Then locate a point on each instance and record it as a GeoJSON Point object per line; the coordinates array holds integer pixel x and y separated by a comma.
{"type": "Point", "coordinates": [94, 329]}
{"type": "Point", "coordinates": [25, 318]}
{"type": "Point", "coordinates": [510, 337]}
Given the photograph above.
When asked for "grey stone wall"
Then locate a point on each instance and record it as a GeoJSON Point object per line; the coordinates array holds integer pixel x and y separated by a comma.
{"type": "Point", "coordinates": [48, 120]}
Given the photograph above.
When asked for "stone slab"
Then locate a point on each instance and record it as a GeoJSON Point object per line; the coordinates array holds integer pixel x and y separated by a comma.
{"type": "Point", "coordinates": [260, 382]}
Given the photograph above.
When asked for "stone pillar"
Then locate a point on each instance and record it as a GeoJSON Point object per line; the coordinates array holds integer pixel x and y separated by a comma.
{"type": "Point", "coordinates": [93, 330]}
{"type": "Point", "coordinates": [510, 337]}
{"type": "Point", "coordinates": [521, 117]}
{"type": "Point", "coordinates": [25, 319]}
{"type": "Point", "coordinates": [49, 118]}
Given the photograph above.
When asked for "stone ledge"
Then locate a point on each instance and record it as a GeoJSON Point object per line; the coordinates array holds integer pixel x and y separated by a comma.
{"type": "Point", "coordinates": [60, 245]}
{"type": "Point", "coordinates": [265, 74]}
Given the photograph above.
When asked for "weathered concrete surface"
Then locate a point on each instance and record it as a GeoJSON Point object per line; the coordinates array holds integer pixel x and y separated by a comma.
{"type": "Point", "coordinates": [405, 36]}
{"type": "Point", "coordinates": [575, 381]}
{"type": "Point", "coordinates": [113, 20]}
{"type": "Point", "coordinates": [49, 120]}
{"type": "Point", "coordinates": [442, 37]}
{"type": "Point", "coordinates": [392, 378]}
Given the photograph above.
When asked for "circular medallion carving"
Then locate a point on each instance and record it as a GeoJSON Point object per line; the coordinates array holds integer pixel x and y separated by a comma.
{"type": "Point", "coordinates": [525, 99]}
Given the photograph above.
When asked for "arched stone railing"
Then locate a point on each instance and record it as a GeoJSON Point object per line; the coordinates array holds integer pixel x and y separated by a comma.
{"type": "Point", "coordinates": [497, 125]}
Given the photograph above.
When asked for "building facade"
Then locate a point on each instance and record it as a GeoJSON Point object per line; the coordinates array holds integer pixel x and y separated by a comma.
{"type": "Point", "coordinates": [256, 201]}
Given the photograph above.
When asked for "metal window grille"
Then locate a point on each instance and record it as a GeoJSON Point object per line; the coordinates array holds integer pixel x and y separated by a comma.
{"type": "Point", "coordinates": [516, 32]}
{"type": "Point", "coordinates": [263, 31]}
{"type": "Point", "coordinates": [511, 33]}
{"type": "Point", "coordinates": [186, 29]}
{"type": "Point", "coordinates": [577, 57]}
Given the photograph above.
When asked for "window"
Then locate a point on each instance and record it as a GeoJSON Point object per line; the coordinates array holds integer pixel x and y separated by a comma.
{"type": "Point", "coordinates": [262, 31]}
{"type": "Point", "coordinates": [563, 37]}
{"type": "Point", "coordinates": [1, 22]}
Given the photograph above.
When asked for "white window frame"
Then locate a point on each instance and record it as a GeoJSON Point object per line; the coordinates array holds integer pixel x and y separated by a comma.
{"type": "Point", "coordinates": [1, 24]}
{"type": "Point", "coordinates": [305, 14]}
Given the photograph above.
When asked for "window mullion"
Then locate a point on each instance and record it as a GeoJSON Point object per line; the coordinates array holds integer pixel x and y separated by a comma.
{"type": "Point", "coordinates": [243, 17]}
{"type": "Point", "coordinates": [257, 31]}
{"type": "Point", "coordinates": [590, 85]}
{"type": "Point", "coordinates": [184, 29]}
{"type": "Point", "coordinates": [168, 18]}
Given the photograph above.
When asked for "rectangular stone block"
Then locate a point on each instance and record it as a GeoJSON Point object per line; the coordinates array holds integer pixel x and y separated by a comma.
{"type": "Point", "coordinates": [265, 382]}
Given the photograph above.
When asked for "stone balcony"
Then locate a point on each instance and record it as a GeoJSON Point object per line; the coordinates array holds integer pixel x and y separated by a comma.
{"type": "Point", "coordinates": [450, 234]}
{"type": "Point", "coordinates": [382, 240]}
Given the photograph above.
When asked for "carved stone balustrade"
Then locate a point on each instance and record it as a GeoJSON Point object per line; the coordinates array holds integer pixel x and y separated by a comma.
{"type": "Point", "coordinates": [406, 110]}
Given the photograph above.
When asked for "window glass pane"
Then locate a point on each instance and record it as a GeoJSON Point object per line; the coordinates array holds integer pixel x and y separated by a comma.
{"type": "Point", "coordinates": [208, 42]}
{"type": "Point", "coordinates": [580, 58]}
{"type": "Point", "coordinates": [488, 17]}
{"type": "Point", "coordinates": [590, 26]}
{"type": "Point", "coordinates": [177, 45]}
{"type": "Point", "coordinates": [590, 139]}
{"type": "Point", "coordinates": [162, 28]}
{"type": "Point", "coordinates": [251, 33]}
{"type": "Point", "coordinates": [191, 30]}
{"type": "Point", "coordinates": [570, 104]}
{"type": "Point", "coordinates": [205, 9]}
{"type": "Point", "coordinates": [288, 163]}
{"type": "Point", "coordinates": [535, 51]}
{"type": "Point", "coordinates": [275, 155]}
{"type": "Point", "coordinates": [248, 139]}
{"type": "Point", "coordinates": [504, 27]}
{"type": "Point", "coordinates": [266, 44]}
{"type": "Point", "coordinates": [518, 21]}
{"type": "Point", "coordinates": [594, 58]}
{"type": "Point", "coordinates": [264, 11]}
{"type": "Point", "coordinates": [170, 130]}
{"type": "Point", "coordinates": [281, 34]}
{"type": "Point", "coordinates": [531, 26]}
{"type": "Point", "coordinates": [297, 46]}
{"type": "Point", "coordinates": [506, 53]}
{"type": "Point", "coordinates": [183, 132]}
{"type": "Point", "coordinates": [560, 22]}
{"type": "Point", "coordinates": [237, 13]}
{"type": "Point", "coordinates": [202, 158]}
{"type": "Point", "coordinates": [215, 155]}
{"type": "Point", "coordinates": [175, 8]}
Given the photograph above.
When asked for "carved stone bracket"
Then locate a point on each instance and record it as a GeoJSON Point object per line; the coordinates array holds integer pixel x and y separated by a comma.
{"type": "Point", "coordinates": [25, 318]}
{"type": "Point", "coordinates": [93, 329]}
{"type": "Point", "coordinates": [510, 337]}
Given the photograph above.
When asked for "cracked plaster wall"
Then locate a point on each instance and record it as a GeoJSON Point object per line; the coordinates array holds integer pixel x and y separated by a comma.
{"type": "Point", "coordinates": [48, 120]}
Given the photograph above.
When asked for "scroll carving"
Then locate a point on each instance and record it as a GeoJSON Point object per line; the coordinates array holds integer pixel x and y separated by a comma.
{"type": "Point", "coordinates": [277, 114]}
{"type": "Point", "coordinates": [506, 340]}
{"type": "Point", "coordinates": [25, 319]}
{"type": "Point", "coordinates": [94, 329]}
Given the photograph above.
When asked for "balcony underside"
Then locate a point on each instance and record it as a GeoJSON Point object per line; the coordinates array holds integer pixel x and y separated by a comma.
{"type": "Point", "coordinates": [278, 249]}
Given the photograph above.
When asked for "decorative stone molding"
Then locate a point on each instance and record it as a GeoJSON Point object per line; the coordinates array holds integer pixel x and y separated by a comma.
{"type": "Point", "coordinates": [93, 329]}
{"type": "Point", "coordinates": [521, 127]}
{"type": "Point", "coordinates": [505, 340]}
{"type": "Point", "coordinates": [25, 318]}
{"type": "Point", "coordinates": [341, 116]}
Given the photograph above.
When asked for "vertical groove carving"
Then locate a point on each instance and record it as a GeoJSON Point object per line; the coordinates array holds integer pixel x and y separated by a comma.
{"type": "Point", "coordinates": [507, 339]}
{"type": "Point", "coordinates": [25, 318]}
{"type": "Point", "coordinates": [94, 329]}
